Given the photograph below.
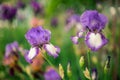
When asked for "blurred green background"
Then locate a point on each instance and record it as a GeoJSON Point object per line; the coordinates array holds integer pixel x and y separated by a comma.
{"type": "Point", "coordinates": [15, 31]}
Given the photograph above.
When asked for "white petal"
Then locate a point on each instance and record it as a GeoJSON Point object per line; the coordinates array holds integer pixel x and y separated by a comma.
{"type": "Point", "coordinates": [52, 50]}
{"type": "Point", "coordinates": [95, 39]}
{"type": "Point", "coordinates": [32, 53]}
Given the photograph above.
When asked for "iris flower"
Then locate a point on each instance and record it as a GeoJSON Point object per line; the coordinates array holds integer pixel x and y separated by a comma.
{"type": "Point", "coordinates": [92, 24]}
{"type": "Point", "coordinates": [39, 39]}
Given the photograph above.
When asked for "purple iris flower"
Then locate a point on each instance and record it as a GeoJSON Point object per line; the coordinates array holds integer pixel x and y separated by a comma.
{"type": "Point", "coordinates": [92, 23]}
{"type": "Point", "coordinates": [38, 8]}
{"type": "Point", "coordinates": [11, 49]}
{"type": "Point", "coordinates": [51, 74]}
{"type": "Point", "coordinates": [39, 38]}
{"type": "Point", "coordinates": [7, 12]}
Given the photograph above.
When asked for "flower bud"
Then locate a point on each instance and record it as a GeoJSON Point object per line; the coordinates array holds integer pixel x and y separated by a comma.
{"type": "Point", "coordinates": [81, 61]}
{"type": "Point", "coordinates": [107, 64]}
{"type": "Point", "coordinates": [61, 71]}
{"type": "Point", "coordinates": [69, 70]}
{"type": "Point", "coordinates": [86, 73]}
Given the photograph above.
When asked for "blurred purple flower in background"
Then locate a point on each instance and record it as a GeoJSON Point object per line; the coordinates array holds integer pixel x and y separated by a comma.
{"type": "Point", "coordinates": [40, 38]}
{"type": "Point", "coordinates": [20, 4]}
{"type": "Point", "coordinates": [37, 7]}
{"type": "Point", "coordinates": [54, 22]}
{"type": "Point", "coordinates": [73, 21]}
{"type": "Point", "coordinates": [92, 22]}
{"type": "Point", "coordinates": [11, 57]}
{"type": "Point", "coordinates": [94, 74]}
{"type": "Point", "coordinates": [7, 12]}
{"type": "Point", "coordinates": [51, 74]}
{"type": "Point", "coordinates": [11, 49]}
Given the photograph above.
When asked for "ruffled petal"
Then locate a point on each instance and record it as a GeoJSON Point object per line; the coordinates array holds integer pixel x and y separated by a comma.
{"type": "Point", "coordinates": [95, 41]}
{"type": "Point", "coordinates": [31, 54]}
{"type": "Point", "coordinates": [52, 50]}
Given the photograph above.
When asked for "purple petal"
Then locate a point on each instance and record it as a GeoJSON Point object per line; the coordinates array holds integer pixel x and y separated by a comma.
{"type": "Point", "coordinates": [95, 41]}
{"type": "Point", "coordinates": [31, 54]}
{"type": "Point", "coordinates": [75, 39]}
{"type": "Point", "coordinates": [38, 36]}
{"type": "Point", "coordinates": [93, 20]}
{"type": "Point", "coordinates": [52, 50]}
{"type": "Point", "coordinates": [51, 74]}
{"type": "Point", "coordinates": [104, 20]}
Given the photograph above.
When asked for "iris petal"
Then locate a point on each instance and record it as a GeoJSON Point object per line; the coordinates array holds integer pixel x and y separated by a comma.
{"type": "Point", "coordinates": [95, 40]}
{"type": "Point", "coordinates": [31, 54]}
{"type": "Point", "coordinates": [52, 50]}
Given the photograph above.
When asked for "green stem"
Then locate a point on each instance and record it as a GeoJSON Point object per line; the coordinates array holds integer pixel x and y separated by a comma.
{"type": "Point", "coordinates": [89, 67]}
{"type": "Point", "coordinates": [88, 56]}
{"type": "Point", "coordinates": [45, 57]}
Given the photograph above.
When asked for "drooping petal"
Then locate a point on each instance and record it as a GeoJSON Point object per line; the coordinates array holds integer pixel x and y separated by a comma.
{"type": "Point", "coordinates": [52, 50]}
{"type": "Point", "coordinates": [95, 40]}
{"type": "Point", "coordinates": [75, 39]}
{"type": "Point", "coordinates": [31, 54]}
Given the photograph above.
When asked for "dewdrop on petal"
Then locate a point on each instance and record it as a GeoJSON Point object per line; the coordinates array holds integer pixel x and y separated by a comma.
{"type": "Point", "coordinates": [61, 71]}
{"type": "Point", "coordinates": [86, 73]}
{"type": "Point", "coordinates": [69, 73]}
{"type": "Point", "coordinates": [81, 61]}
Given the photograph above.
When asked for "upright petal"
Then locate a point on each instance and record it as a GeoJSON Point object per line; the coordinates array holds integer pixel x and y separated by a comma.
{"type": "Point", "coordinates": [93, 20]}
{"type": "Point", "coordinates": [38, 36]}
{"type": "Point", "coordinates": [95, 40]}
{"type": "Point", "coordinates": [52, 50]}
{"type": "Point", "coordinates": [31, 54]}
